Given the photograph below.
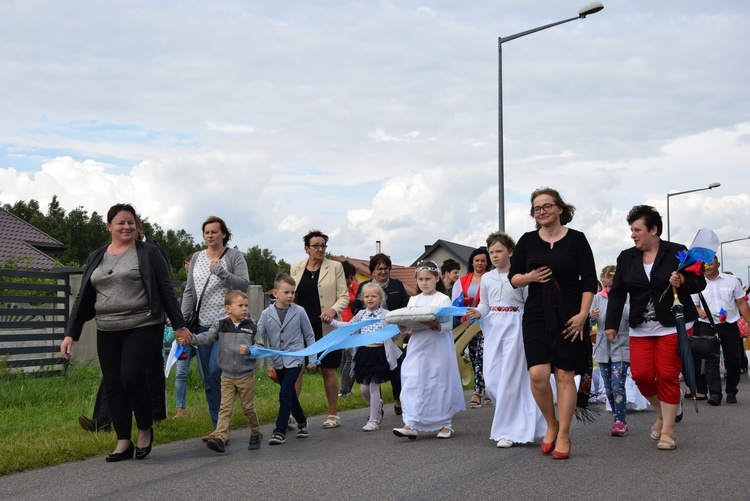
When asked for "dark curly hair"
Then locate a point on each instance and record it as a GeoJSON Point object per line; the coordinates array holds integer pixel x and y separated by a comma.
{"type": "Point", "coordinates": [651, 217]}
{"type": "Point", "coordinates": [567, 210]}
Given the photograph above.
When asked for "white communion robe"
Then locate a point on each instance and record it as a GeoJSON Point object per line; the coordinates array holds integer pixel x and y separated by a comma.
{"type": "Point", "coordinates": [431, 391]}
{"type": "Point", "coordinates": [506, 377]}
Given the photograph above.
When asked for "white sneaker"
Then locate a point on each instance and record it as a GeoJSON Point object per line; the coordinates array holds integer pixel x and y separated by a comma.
{"type": "Point", "coordinates": [292, 425]}
{"type": "Point", "coordinates": [371, 426]}
{"type": "Point", "coordinates": [504, 443]}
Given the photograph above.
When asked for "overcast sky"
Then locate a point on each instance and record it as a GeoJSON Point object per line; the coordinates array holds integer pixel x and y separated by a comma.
{"type": "Point", "coordinates": [379, 120]}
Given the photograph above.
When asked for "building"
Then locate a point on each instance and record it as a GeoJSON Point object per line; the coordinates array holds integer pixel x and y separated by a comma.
{"type": "Point", "coordinates": [24, 245]}
{"type": "Point", "coordinates": [442, 250]}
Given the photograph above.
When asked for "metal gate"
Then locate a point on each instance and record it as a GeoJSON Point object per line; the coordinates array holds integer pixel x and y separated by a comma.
{"type": "Point", "coordinates": [34, 309]}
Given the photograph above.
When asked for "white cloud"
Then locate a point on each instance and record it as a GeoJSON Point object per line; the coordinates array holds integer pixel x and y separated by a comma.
{"type": "Point", "coordinates": [378, 121]}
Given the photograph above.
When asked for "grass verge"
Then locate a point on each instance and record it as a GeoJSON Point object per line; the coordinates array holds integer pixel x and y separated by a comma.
{"type": "Point", "coordinates": [39, 416]}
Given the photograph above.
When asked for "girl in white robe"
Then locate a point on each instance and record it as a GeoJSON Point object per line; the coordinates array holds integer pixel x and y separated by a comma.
{"type": "Point", "coordinates": [431, 391]}
{"type": "Point", "coordinates": [517, 417]}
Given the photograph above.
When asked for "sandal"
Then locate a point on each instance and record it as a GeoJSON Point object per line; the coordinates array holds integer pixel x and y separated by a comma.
{"type": "Point", "coordinates": [667, 444]}
{"type": "Point", "coordinates": [476, 401]}
{"type": "Point", "coordinates": [487, 400]}
{"type": "Point", "coordinates": [333, 421]}
{"type": "Point", "coordinates": [656, 432]}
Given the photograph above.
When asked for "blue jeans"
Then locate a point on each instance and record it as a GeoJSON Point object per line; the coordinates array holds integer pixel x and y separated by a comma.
{"type": "Point", "coordinates": [614, 375]}
{"type": "Point", "coordinates": [288, 401]}
{"type": "Point", "coordinates": [180, 380]}
{"type": "Point", "coordinates": [208, 356]}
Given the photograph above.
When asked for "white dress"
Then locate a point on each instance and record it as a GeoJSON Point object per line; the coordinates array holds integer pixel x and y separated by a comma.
{"type": "Point", "coordinates": [517, 417]}
{"type": "Point", "coordinates": [431, 391]}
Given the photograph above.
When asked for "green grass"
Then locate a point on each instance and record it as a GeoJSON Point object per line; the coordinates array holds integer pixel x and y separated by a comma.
{"type": "Point", "coordinates": [39, 416]}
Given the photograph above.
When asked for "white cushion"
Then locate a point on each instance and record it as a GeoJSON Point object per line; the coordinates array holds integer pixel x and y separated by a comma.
{"type": "Point", "coordinates": [411, 317]}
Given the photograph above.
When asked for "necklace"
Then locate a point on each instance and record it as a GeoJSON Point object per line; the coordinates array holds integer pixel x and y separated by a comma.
{"type": "Point", "coordinates": [117, 260]}
{"type": "Point", "coordinates": [312, 273]}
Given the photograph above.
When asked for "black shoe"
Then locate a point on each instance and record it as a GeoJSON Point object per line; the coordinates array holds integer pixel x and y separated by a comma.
{"type": "Point", "coordinates": [397, 410]}
{"type": "Point", "coordinates": [714, 400]}
{"type": "Point", "coordinates": [216, 444]}
{"type": "Point", "coordinates": [86, 423]}
{"type": "Point", "coordinates": [255, 442]}
{"type": "Point", "coordinates": [141, 453]}
{"type": "Point", "coordinates": [731, 399]}
{"type": "Point", "coordinates": [121, 456]}
{"type": "Point", "coordinates": [679, 415]}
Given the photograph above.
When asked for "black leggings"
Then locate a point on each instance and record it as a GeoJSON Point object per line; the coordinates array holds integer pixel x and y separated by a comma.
{"type": "Point", "coordinates": [125, 357]}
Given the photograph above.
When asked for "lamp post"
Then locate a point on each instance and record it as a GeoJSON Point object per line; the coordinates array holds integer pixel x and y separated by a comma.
{"type": "Point", "coordinates": [709, 187]}
{"type": "Point", "coordinates": [721, 249]}
{"type": "Point", "coordinates": [591, 8]}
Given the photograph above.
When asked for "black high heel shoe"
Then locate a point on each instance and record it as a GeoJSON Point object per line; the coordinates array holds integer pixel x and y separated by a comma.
{"type": "Point", "coordinates": [121, 456]}
{"type": "Point", "coordinates": [141, 453]}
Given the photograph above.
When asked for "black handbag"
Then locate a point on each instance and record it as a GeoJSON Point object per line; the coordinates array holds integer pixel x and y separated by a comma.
{"type": "Point", "coordinates": [706, 347]}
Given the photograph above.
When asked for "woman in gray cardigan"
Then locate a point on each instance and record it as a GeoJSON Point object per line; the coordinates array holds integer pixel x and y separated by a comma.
{"type": "Point", "coordinates": [213, 272]}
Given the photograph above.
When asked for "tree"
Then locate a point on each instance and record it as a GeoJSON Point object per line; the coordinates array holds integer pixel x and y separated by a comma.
{"type": "Point", "coordinates": [178, 244]}
{"type": "Point", "coordinates": [263, 268]}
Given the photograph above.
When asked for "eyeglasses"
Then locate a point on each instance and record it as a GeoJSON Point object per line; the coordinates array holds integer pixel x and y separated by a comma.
{"type": "Point", "coordinates": [546, 207]}
{"type": "Point", "coordinates": [319, 246]}
{"type": "Point", "coordinates": [381, 269]}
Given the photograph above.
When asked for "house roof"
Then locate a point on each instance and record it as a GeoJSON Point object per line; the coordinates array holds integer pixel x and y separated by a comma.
{"type": "Point", "coordinates": [20, 240]}
{"type": "Point", "coordinates": [403, 273]}
{"type": "Point", "coordinates": [462, 252]}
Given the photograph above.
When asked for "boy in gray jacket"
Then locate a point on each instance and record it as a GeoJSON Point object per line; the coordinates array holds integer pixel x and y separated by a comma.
{"type": "Point", "coordinates": [238, 376]}
{"type": "Point", "coordinates": [286, 327]}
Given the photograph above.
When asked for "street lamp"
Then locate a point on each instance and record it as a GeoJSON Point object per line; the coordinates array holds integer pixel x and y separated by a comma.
{"type": "Point", "coordinates": [591, 8]}
{"type": "Point", "coordinates": [709, 187]}
{"type": "Point", "coordinates": [721, 249]}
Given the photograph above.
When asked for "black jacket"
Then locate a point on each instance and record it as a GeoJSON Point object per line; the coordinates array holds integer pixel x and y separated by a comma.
{"type": "Point", "coordinates": [630, 278]}
{"type": "Point", "coordinates": [156, 282]}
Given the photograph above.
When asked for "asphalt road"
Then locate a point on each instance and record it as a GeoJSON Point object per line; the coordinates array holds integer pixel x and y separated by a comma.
{"type": "Point", "coordinates": [346, 463]}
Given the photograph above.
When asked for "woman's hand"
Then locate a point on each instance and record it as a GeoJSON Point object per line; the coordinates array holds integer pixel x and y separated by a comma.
{"type": "Point", "coordinates": [472, 313]}
{"type": "Point", "coordinates": [541, 275]}
{"type": "Point", "coordinates": [328, 315]}
{"type": "Point", "coordinates": [65, 347]}
{"type": "Point", "coordinates": [676, 279]}
{"type": "Point", "coordinates": [183, 336]}
{"type": "Point", "coordinates": [611, 334]}
{"type": "Point", "coordinates": [574, 328]}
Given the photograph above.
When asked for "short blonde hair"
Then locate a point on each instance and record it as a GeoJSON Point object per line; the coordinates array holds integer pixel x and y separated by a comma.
{"type": "Point", "coordinates": [374, 285]}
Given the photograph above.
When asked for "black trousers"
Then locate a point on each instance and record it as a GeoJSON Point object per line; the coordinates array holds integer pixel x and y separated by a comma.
{"type": "Point", "coordinates": [126, 358]}
{"type": "Point", "coordinates": [732, 349]}
{"type": "Point", "coordinates": [157, 385]}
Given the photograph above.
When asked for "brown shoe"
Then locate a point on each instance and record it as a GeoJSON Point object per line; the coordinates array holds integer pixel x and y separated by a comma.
{"type": "Point", "coordinates": [212, 436]}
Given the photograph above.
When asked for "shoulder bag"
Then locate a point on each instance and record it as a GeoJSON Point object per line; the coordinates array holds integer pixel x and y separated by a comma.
{"type": "Point", "coordinates": [706, 347]}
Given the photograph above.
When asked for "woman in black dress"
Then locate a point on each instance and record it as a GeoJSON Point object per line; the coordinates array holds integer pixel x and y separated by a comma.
{"type": "Point", "coordinates": [557, 265]}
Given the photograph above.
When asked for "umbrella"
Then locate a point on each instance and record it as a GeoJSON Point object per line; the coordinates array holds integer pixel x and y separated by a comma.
{"type": "Point", "coordinates": [683, 348]}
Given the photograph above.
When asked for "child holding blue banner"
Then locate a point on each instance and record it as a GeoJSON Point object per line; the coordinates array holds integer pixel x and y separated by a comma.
{"type": "Point", "coordinates": [373, 362]}
{"type": "Point", "coordinates": [291, 319]}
